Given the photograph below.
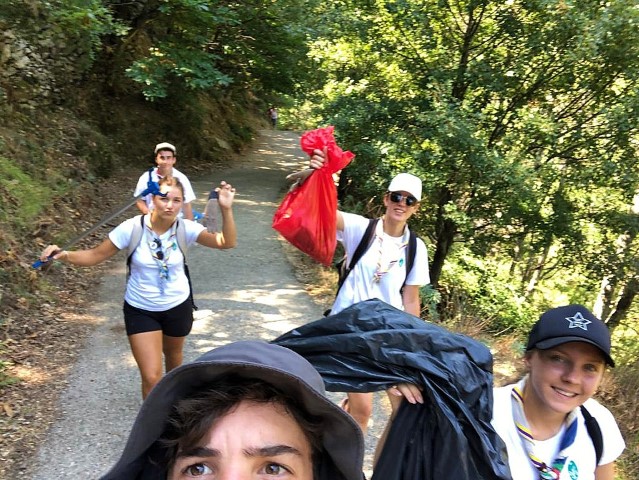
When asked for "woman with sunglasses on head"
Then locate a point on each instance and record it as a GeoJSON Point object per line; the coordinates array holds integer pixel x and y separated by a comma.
{"type": "Point", "coordinates": [158, 307]}
{"type": "Point", "coordinates": [382, 270]}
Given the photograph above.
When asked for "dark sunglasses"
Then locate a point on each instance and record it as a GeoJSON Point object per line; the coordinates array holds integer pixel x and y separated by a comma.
{"type": "Point", "coordinates": [158, 252]}
{"type": "Point", "coordinates": [397, 197]}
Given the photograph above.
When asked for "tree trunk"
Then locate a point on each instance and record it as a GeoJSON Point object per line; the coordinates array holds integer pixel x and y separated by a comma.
{"type": "Point", "coordinates": [443, 243]}
{"type": "Point", "coordinates": [536, 273]}
{"type": "Point", "coordinates": [623, 304]}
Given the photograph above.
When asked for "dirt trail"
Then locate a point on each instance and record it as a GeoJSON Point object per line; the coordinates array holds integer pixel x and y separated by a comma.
{"type": "Point", "coordinates": [248, 292]}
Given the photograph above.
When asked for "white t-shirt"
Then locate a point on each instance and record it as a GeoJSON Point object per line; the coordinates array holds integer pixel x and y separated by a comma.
{"type": "Point", "coordinates": [359, 285]}
{"type": "Point", "coordinates": [581, 461]}
{"type": "Point", "coordinates": [189, 194]}
{"type": "Point", "coordinates": [143, 288]}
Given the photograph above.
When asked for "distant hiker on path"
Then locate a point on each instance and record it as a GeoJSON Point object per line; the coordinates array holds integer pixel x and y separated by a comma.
{"type": "Point", "coordinates": [158, 304]}
{"type": "Point", "coordinates": [165, 157]}
{"type": "Point", "coordinates": [272, 116]}
{"type": "Point", "coordinates": [385, 270]}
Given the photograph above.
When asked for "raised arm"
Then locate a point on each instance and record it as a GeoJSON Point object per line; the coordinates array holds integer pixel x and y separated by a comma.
{"type": "Point", "coordinates": [227, 238]}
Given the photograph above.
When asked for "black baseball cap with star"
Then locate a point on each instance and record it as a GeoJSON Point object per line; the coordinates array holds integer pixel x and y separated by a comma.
{"type": "Point", "coordinates": [570, 323]}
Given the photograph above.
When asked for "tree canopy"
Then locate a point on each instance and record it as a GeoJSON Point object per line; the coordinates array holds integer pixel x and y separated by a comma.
{"type": "Point", "coordinates": [520, 117]}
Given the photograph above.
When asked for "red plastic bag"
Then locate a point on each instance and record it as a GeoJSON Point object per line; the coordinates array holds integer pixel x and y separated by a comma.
{"type": "Point", "coordinates": [307, 217]}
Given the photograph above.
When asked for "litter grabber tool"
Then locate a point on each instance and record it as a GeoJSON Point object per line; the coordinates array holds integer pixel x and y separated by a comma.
{"type": "Point", "coordinates": [152, 188]}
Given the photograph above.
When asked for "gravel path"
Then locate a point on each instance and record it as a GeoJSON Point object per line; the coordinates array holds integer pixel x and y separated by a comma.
{"type": "Point", "coordinates": [246, 292]}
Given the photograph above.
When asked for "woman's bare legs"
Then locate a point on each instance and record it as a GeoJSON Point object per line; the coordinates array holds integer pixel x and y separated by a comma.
{"type": "Point", "coordinates": [360, 406]}
{"type": "Point", "coordinates": [147, 351]}
{"type": "Point", "coordinates": [173, 348]}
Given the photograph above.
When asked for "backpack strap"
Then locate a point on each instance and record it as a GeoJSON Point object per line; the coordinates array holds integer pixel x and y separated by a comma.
{"type": "Point", "coordinates": [363, 245]}
{"type": "Point", "coordinates": [180, 235]}
{"type": "Point", "coordinates": [410, 254]}
{"type": "Point", "coordinates": [594, 430]}
{"type": "Point", "coordinates": [138, 231]}
{"type": "Point", "coordinates": [136, 238]}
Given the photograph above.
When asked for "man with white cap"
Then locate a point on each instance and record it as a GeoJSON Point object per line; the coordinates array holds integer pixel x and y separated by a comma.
{"type": "Point", "coordinates": [393, 267]}
{"type": "Point", "coordinates": [165, 157]}
{"type": "Point", "coordinates": [247, 410]}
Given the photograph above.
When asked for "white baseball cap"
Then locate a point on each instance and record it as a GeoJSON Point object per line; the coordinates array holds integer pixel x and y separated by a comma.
{"type": "Point", "coordinates": [407, 183]}
{"type": "Point", "coordinates": [165, 146]}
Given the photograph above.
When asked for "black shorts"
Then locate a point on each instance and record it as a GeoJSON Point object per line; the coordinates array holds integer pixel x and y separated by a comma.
{"type": "Point", "coordinates": [175, 322]}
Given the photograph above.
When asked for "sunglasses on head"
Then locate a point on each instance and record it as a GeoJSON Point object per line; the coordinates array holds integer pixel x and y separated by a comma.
{"type": "Point", "coordinates": [397, 197]}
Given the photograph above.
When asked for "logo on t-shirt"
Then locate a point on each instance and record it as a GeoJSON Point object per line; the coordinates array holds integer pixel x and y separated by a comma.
{"type": "Point", "coordinates": [573, 471]}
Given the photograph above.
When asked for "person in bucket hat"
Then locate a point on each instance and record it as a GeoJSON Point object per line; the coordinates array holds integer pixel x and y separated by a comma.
{"type": "Point", "coordinates": [248, 410]}
{"type": "Point", "coordinates": [543, 419]}
{"type": "Point", "coordinates": [392, 268]}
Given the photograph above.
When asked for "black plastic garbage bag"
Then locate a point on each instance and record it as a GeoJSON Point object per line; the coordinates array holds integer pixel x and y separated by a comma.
{"type": "Point", "coordinates": [371, 346]}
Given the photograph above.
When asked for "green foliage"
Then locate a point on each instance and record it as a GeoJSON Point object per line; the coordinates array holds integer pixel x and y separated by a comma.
{"type": "Point", "coordinates": [85, 20]}
{"type": "Point", "coordinates": [23, 197]}
{"type": "Point", "coordinates": [204, 45]}
{"type": "Point", "coordinates": [480, 288]}
{"type": "Point", "coordinates": [83, 23]}
{"type": "Point", "coordinates": [430, 298]}
{"type": "Point", "coordinates": [165, 64]}
{"type": "Point", "coordinates": [520, 117]}
{"type": "Point", "coordinates": [5, 379]}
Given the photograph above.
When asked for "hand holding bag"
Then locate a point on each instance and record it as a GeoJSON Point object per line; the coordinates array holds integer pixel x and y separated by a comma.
{"type": "Point", "coordinates": [307, 217]}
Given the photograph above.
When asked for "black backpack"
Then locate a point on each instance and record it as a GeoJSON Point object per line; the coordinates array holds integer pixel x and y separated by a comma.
{"type": "Point", "coordinates": [344, 267]}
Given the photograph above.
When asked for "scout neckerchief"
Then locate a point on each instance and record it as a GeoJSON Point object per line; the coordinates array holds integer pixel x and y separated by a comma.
{"type": "Point", "coordinates": [546, 472]}
{"type": "Point", "coordinates": [161, 251]}
{"type": "Point", "coordinates": [383, 270]}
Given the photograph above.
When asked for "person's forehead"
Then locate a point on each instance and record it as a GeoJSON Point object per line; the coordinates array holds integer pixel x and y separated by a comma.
{"type": "Point", "coordinates": [171, 190]}
{"type": "Point", "coordinates": [273, 423]}
{"type": "Point", "coordinates": [581, 348]}
{"type": "Point", "coordinates": [165, 152]}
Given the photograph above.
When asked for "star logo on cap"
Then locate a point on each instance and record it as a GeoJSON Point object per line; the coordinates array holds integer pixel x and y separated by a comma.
{"type": "Point", "coordinates": [578, 321]}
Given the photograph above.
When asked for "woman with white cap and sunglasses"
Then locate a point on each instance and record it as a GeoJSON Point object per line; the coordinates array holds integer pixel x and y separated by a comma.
{"type": "Point", "coordinates": [248, 410]}
{"type": "Point", "coordinates": [543, 419]}
{"type": "Point", "coordinates": [382, 270]}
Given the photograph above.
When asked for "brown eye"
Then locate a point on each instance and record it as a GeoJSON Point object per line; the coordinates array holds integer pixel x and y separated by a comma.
{"type": "Point", "coordinates": [197, 470]}
{"type": "Point", "coordinates": [274, 469]}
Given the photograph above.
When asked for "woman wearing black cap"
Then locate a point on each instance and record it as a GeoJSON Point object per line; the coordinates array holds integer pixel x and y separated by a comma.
{"type": "Point", "coordinates": [542, 419]}
{"type": "Point", "coordinates": [248, 410]}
